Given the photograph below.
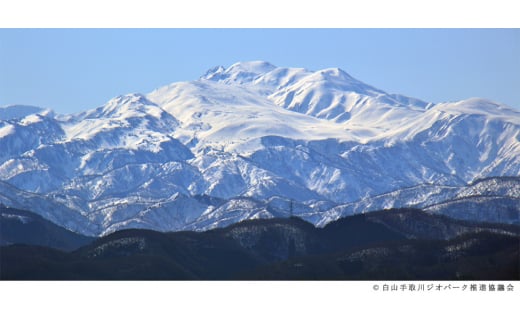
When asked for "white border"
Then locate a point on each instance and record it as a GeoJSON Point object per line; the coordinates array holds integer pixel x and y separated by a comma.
{"type": "Point", "coordinates": [254, 14]}
{"type": "Point", "coordinates": [249, 302]}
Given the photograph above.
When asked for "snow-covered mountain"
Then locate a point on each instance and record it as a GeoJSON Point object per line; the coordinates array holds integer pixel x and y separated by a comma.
{"type": "Point", "coordinates": [253, 141]}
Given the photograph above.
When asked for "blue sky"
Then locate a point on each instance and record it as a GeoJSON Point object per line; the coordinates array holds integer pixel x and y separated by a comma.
{"type": "Point", "coordinates": [71, 70]}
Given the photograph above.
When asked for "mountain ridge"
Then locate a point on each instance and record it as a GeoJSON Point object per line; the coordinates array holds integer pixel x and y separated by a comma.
{"type": "Point", "coordinates": [251, 131]}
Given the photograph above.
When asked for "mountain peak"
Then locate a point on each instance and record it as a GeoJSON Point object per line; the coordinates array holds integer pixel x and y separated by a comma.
{"type": "Point", "coordinates": [131, 98]}
{"type": "Point", "coordinates": [213, 71]}
{"type": "Point", "coordinates": [335, 72]}
{"type": "Point", "coordinates": [336, 77]}
{"type": "Point", "coordinates": [20, 111]}
{"type": "Point", "coordinates": [258, 67]}
{"type": "Point", "coordinates": [240, 72]}
{"type": "Point", "coordinates": [129, 105]}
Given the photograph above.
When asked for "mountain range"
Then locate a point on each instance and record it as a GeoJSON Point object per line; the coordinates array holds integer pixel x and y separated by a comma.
{"type": "Point", "coordinates": [258, 141]}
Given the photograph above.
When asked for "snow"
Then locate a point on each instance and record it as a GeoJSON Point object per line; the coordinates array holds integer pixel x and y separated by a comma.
{"type": "Point", "coordinates": [240, 72]}
{"type": "Point", "coordinates": [235, 117]}
{"type": "Point", "coordinates": [30, 119]}
{"type": "Point", "coordinates": [6, 130]}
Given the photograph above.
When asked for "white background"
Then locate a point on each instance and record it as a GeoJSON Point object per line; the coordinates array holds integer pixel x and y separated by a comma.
{"type": "Point", "coordinates": [252, 301]}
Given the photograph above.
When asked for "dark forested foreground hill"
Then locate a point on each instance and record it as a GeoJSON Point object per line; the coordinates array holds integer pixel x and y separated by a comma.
{"type": "Point", "coordinates": [24, 227]}
{"type": "Point", "coordinates": [401, 244]}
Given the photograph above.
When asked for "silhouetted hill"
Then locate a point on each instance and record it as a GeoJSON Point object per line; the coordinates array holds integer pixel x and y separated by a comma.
{"type": "Point", "coordinates": [23, 227]}
{"type": "Point", "coordinates": [477, 256]}
{"type": "Point", "coordinates": [418, 224]}
{"type": "Point", "coordinates": [393, 244]}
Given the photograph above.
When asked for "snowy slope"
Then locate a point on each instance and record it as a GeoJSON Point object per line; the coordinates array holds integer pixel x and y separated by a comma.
{"type": "Point", "coordinates": [247, 141]}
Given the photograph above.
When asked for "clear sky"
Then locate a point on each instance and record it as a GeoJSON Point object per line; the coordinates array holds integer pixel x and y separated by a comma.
{"type": "Point", "coordinates": [71, 70]}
